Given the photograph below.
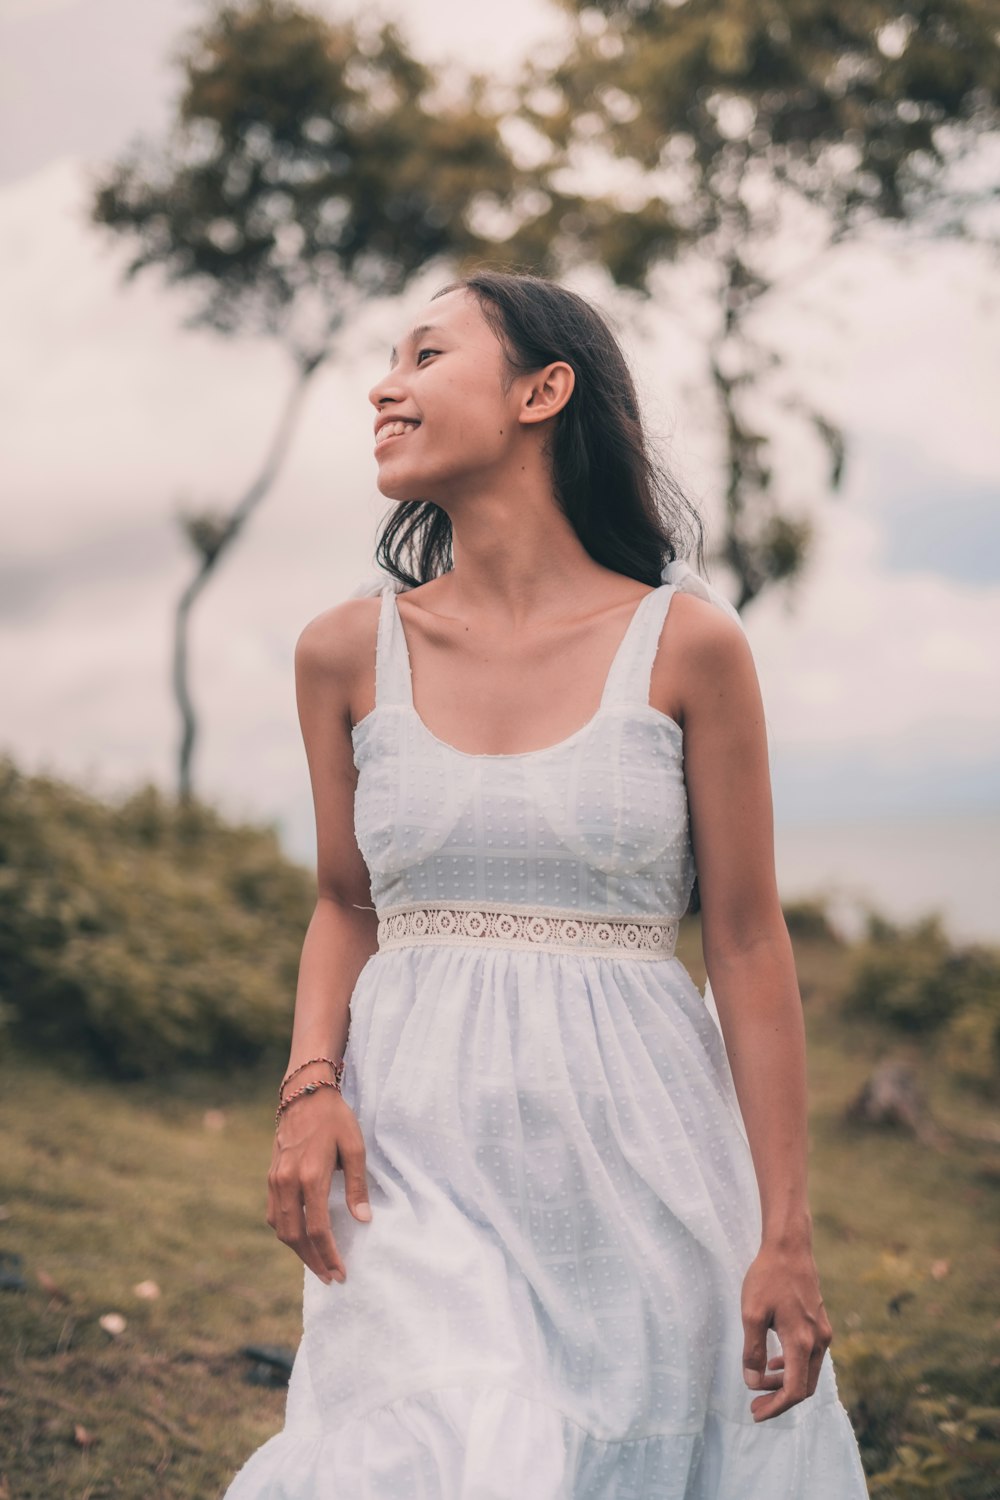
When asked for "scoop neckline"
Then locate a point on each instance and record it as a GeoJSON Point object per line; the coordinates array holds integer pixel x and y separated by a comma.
{"type": "Point", "coordinates": [602, 708]}
{"type": "Point", "coordinates": [635, 710]}
{"type": "Point", "coordinates": [602, 712]}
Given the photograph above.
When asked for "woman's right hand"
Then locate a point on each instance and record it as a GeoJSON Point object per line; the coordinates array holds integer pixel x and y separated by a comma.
{"type": "Point", "coordinates": [318, 1134]}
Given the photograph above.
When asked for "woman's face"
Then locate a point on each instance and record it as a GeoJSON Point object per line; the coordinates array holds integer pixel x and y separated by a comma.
{"type": "Point", "coordinates": [445, 389]}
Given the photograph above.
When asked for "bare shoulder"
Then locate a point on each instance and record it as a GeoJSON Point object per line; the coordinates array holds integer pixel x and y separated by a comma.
{"type": "Point", "coordinates": [332, 654]}
{"type": "Point", "coordinates": [704, 628]}
{"type": "Point", "coordinates": [328, 657]}
{"type": "Point", "coordinates": [334, 643]}
{"type": "Point", "coordinates": [704, 656]}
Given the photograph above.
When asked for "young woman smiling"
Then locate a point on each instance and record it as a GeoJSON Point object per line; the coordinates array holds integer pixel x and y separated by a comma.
{"type": "Point", "coordinates": [574, 1221]}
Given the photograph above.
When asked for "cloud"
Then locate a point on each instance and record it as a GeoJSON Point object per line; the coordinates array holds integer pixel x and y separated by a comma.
{"type": "Point", "coordinates": [930, 521]}
{"type": "Point", "coordinates": [895, 665]}
{"type": "Point", "coordinates": [15, 10]}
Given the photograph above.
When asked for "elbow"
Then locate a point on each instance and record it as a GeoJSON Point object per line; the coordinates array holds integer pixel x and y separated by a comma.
{"type": "Point", "coordinates": [736, 939]}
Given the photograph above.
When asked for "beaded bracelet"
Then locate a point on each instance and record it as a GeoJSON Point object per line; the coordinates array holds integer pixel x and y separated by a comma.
{"type": "Point", "coordinates": [333, 1065]}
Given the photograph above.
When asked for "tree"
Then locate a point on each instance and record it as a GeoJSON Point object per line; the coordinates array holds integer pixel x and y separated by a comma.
{"type": "Point", "coordinates": [311, 166]}
{"type": "Point", "coordinates": [721, 118]}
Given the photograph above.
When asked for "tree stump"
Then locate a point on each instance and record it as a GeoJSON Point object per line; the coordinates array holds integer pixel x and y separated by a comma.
{"type": "Point", "coordinates": [892, 1096]}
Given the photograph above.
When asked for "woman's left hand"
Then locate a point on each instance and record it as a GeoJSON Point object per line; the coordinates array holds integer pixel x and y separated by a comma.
{"type": "Point", "coordinates": [781, 1290]}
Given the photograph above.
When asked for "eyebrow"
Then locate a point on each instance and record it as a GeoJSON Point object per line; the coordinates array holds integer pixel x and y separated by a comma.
{"type": "Point", "coordinates": [412, 338]}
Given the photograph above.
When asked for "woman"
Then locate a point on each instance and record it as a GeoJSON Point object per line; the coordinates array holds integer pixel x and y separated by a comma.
{"type": "Point", "coordinates": [574, 1220]}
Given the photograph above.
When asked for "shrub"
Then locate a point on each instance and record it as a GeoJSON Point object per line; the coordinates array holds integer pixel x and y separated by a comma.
{"type": "Point", "coordinates": [810, 921]}
{"type": "Point", "coordinates": [920, 1433]}
{"type": "Point", "coordinates": [146, 935]}
{"type": "Point", "coordinates": [971, 1042]}
{"type": "Point", "coordinates": [911, 978]}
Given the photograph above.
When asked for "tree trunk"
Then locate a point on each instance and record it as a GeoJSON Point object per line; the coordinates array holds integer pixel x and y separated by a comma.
{"type": "Point", "coordinates": [211, 541]}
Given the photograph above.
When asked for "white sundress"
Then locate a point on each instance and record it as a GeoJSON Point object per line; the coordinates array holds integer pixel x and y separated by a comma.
{"type": "Point", "coordinates": [546, 1302]}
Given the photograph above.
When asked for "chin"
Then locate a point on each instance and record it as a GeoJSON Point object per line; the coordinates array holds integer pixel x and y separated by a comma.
{"type": "Point", "coordinates": [404, 488]}
{"type": "Point", "coordinates": [400, 492]}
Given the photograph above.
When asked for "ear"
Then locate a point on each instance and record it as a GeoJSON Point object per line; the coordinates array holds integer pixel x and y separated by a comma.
{"type": "Point", "coordinates": [547, 392]}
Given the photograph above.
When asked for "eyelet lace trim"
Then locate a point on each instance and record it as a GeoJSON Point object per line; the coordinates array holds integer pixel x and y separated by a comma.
{"type": "Point", "coordinates": [527, 927]}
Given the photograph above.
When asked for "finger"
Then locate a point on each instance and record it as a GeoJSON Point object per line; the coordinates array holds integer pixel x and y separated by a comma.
{"type": "Point", "coordinates": [286, 1215]}
{"type": "Point", "coordinates": [815, 1365]}
{"type": "Point", "coordinates": [318, 1229]}
{"type": "Point", "coordinates": [311, 1257]}
{"type": "Point", "coordinates": [755, 1320]}
{"type": "Point", "coordinates": [773, 1378]}
{"type": "Point", "coordinates": [352, 1158]}
{"type": "Point", "coordinates": [794, 1385]}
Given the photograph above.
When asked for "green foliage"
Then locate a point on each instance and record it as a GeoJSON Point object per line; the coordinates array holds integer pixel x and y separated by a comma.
{"type": "Point", "coordinates": [899, 975]}
{"type": "Point", "coordinates": [913, 979]}
{"type": "Point", "coordinates": [842, 102]}
{"type": "Point", "coordinates": [809, 921]}
{"type": "Point", "coordinates": [920, 1438]}
{"type": "Point", "coordinates": [971, 1041]}
{"type": "Point", "coordinates": [722, 122]}
{"type": "Point", "coordinates": [143, 936]}
{"type": "Point", "coordinates": [314, 164]}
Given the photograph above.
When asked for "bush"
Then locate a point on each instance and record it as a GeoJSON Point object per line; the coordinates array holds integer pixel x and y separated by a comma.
{"type": "Point", "coordinates": [144, 936]}
{"type": "Point", "coordinates": [919, 1432]}
{"type": "Point", "coordinates": [808, 920]}
{"type": "Point", "coordinates": [971, 1043]}
{"type": "Point", "coordinates": [913, 979]}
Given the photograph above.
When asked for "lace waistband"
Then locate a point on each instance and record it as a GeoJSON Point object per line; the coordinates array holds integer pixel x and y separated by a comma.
{"type": "Point", "coordinates": [527, 927]}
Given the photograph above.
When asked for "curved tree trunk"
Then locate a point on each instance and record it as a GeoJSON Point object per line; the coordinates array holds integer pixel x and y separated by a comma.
{"type": "Point", "coordinates": [211, 539]}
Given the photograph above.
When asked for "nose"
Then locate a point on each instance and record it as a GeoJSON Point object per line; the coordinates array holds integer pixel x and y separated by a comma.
{"type": "Point", "coordinates": [386, 389]}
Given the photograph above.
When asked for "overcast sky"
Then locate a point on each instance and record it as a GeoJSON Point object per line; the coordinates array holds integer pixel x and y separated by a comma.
{"type": "Point", "coordinates": [880, 678]}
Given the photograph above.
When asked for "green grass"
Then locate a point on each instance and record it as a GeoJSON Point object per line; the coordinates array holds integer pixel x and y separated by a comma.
{"type": "Point", "coordinates": [107, 1185]}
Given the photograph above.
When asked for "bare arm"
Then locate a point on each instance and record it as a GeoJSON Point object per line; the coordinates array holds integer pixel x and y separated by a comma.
{"type": "Point", "coordinates": [341, 935]}
{"type": "Point", "coordinates": [319, 1132]}
{"type": "Point", "coordinates": [748, 955]}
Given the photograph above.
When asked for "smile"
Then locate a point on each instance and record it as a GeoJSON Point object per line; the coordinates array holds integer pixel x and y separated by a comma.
{"type": "Point", "coordinates": [394, 429]}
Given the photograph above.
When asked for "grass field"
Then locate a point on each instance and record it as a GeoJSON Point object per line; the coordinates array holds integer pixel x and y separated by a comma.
{"type": "Point", "coordinates": [107, 1186]}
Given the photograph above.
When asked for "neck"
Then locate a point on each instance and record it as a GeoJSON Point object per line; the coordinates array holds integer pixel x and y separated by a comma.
{"type": "Point", "coordinates": [517, 559]}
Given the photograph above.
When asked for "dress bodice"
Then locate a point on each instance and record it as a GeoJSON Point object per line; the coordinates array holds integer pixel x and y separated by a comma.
{"type": "Point", "coordinates": [597, 823]}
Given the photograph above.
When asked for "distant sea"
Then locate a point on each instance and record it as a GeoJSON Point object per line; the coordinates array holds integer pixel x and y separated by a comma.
{"type": "Point", "coordinates": [904, 867]}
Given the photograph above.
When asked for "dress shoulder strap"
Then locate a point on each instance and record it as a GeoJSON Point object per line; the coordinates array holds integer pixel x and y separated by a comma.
{"type": "Point", "coordinates": [392, 660]}
{"type": "Point", "coordinates": [632, 670]}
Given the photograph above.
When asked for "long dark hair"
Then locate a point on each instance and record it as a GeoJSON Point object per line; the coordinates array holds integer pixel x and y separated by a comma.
{"type": "Point", "coordinates": [628, 511]}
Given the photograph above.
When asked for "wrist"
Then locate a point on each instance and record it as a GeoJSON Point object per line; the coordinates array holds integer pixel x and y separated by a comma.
{"type": "Point", "coordinates": [308, 1078]}
{"type": "Point", "coordinates": [308, 1073]}
{"type": "Point", "coordinates": [311, 1070]}
{"type": "Point", "coordinates": [788, 1231]}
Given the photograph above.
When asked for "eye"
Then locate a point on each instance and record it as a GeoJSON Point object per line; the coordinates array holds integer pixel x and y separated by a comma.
{"type": "Point", "coordinates": [426, 351]}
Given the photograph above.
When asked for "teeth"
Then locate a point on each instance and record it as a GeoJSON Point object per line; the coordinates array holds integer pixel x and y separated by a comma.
{"type": "Point", "coordinates": [395, 429]}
